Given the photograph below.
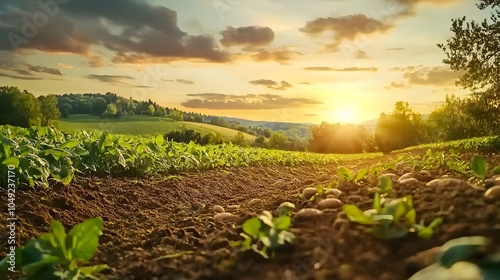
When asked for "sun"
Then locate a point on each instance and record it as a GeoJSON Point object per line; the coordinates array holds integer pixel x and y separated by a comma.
{"type": "Point", "coordinates": [344, 115]}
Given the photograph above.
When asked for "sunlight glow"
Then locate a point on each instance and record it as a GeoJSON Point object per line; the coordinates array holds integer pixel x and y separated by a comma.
{"type": "Point", "coordinates": [344, 115]}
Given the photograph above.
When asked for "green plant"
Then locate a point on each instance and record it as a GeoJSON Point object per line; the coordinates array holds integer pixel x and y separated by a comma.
{"type": "Point", "coordinates": [57, 255]}
{"type": "Point", "coordinates": [390, 220]}
{"type": "Point", "coordinates": [345, 174]}
{"type": "Point", "coordinates": [469, 250]}
{"type": "Point", "coordinates": [385, 186]}
{"type": "Point", "coordinates": [267, 232]}
{"type": "Point", "coordinates": [479, 167]}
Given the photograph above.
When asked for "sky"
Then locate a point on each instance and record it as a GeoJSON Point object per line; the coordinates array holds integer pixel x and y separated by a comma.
{"type": "Point", "coordinates": [280, 60]}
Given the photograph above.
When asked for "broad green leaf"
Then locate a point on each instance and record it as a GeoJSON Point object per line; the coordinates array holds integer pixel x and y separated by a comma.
{"type": "Point", "coordinates": [436, 222]}
{"type": "Point", "coordinates": [356, 215]}
{"type": "Point", "coordinates": [425, 232]}
{"type": "Point", "coordinates": [59, 235]}
{"type": "Point", "coordinates": [83, 239]}
{"type": "Point", "coordinates": [89, 270]}
{"type": "Point", "coordinates": [344, 173]}
{"type": "Point", "coordinates": [252, 227]}
{"type": "Point", "coordinates": [361, 174]}
{"type": "Point", "coordinates": [461, 249]}
{"type": "Point", "coordinates": [11, 161]}
{"type": "Point", "coordinates": [385, 183]}
{"type": "Point", "coordinates": [282, 223]}
{"type": "Point", "coordinates": [410, 217]}
{"type": "Point", "coordinates": [479, 166]}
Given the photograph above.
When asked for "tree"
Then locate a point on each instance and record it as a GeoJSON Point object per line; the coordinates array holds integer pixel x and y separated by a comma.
{"type": "Point", "coordinates": [277, 140]}
{"type": "Point", "coordinates": [19, 108]}
{"type": "Point", "coordinates": [474, 51]}
{"type": "Point", "coordinates": [151, 110]}
{"type": "Point", "coordinates": [50, 112]}
{"type": "Point", "coordinates": [239, 139]}
{"type": "Point", "coordinates": [111, 110]}
{"type": "Point", "coordinates": [160, 112]}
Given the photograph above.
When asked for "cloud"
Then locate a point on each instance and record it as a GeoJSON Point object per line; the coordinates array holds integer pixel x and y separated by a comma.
{"type": "Point", "coordinates": [184, 81]}
{"type": "Point", "coordinates": [136, 31]}
{"type": "Point", "coordinates": [395, 49]}
{"type": "Point", "coordinates": [408, 7]}
{"type": "Point", "coordinates": [345, 28]}
{"type": "Point", "coordinates": [281, 55]}
{"type": "Point", "coordinates": [247, 36]}
{"type": "Point", "coordinates": [112, 79]}
{"type": "Point", "coordinates": [44, 69]}
{"type": "Point", "coordinates": [220, 101]}
{"type": "Point", "coordinates": [64, 66]}
{"type": "Point", "coordinates": [304, 83]}
{"type": "Point", "coordinates": [398, 85]}
{"type": "Point", "coordinates": [361, 55]}
{"type": "Point", "coordinates": [283, 85]}
{"type": "Point", "coordinates": [20, 77]}
{"type": "Point", "coordinates": [431, 76]}
{"type": "Point", "coordinates": [347, 69]}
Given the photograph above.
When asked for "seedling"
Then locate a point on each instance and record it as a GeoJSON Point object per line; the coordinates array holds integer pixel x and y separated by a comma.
{"type": "Point", "coordinates": [57, 255]}
{"type": "Point", "coordinates": [385, 186]}
{"type": "Point", "coordinates": [345, 174]}
{"type": "Point", "coordinates": [479, 167]}
{"type": "Point", "coordinates": [267, 233]}
{"type": "Point", "coordinates": [390, 220]}
{"type": "Point", "coordinates": [320, 190]}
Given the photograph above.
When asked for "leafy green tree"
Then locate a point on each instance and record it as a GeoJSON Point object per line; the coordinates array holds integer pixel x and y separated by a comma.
{"type": "Point", "coordinates": [111, 110]}
{"type": "Point", "coordinates": [19, 108]}
{"type": "Point", "coordinates": [474, 51]}
{"type": "Point", "coordinates": [239, 139]}
{"type": "Point", "coordinates": [277, 140]}
{"type": "Point", "coordinates": [151, 110]}
{"type": "Point", "coordinates": [50, 112]}
{"type": "Point", "coordinates": [160, 112]}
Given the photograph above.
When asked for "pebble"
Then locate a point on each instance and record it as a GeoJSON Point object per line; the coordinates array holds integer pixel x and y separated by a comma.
{"type": "Point", "coordinates": [329, 203]}
{"type": "Point", "coordinates": [393, 176]}
{"type": "Point", "coordinates": [408, 181]}
{"type": "Point", "coordinates": [218, 209]}
{"type": "Point", "coordinates": [225, 216]}
{"type": "Point", "coordinates": [489, 183]}
{"type": "Point", "coordinates": [307, 193]}
{"type": "Point", "coordinates": [425, 173]}
{"type": "Point", "coordinates": [423, 259]}
{"type": "Point", "coordinates": [335, 192]}
{"type": "Point", "coordinates": [448, 181]}
{"type": "Point", "coordinates": [308, 212]}
{"type": "Point", "coordinates": [405, 176]}
{"type": "Point", "coordinates": [492, 194]}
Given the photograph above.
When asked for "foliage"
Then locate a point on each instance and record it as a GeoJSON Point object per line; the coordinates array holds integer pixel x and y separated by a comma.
{"type": "Point", "coordinates": [337, 138]}
{"type": "Point", "coordinates": [479, 167]}
{"type": "Point", "coordinates": [482, 144]}
{"type": "Point", "coordinates": [49, 111]}
{"type": "Point", "coordinates": [19, 108]}
{"type": "Point", "coordinates": [390, 220]}
{"type": "Point", "coordinates": [57, 255]}
{"type": "Point", "coordinates": [239, 139]}
{"type": "Point", "coordinates": [43, 154]}
{"type": "Point", "coordinates": [348, 175]}
{"type": "Point", "coordinates": [267, 232]}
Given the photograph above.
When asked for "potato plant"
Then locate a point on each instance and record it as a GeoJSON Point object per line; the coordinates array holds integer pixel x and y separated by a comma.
{"type": "Point", "coordinates": [390, 220]}
{"type": "Point", "coordinates": [57, 255]}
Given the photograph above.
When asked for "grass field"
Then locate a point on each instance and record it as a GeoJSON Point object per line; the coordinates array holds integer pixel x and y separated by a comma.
{"type": "Point", "coordinates": [142, 125]}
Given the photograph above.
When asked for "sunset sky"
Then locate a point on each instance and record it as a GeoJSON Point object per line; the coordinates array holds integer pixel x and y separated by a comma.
{"type": "Point", "coordinates": [280, 60]}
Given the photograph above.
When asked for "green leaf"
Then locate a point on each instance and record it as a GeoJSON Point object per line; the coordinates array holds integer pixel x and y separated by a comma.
{"type": "Point", "coordinates": [282, 223]}
{"type": "Point", "coordinates": [83, 239]}
{"type": "Point", "coordinates": [425, 232]}
{"type": "Point", "coordinates": [11, 161]}
{"type": "Point", "coordinates": [252, 227]}
{"type": "Point", "coordinates": [461, 249]}
{"type": "Point", "coordinates": [377, 205]}
{"type": "Point", "coordinates": [361, 174]}
{"type": "Point", "coordinates": [479, 166]}
{"type": "Point", "coordinates": [436, 222]}
{"type": "Point", "coordinates": [410, 217]}
{"type": "Point", "coordinates": [267, 218]}
{"type": "Point", "coordinates": [356, 215]}
{"type": "Point", "coordinates": [89, 270]}
{"type": "Point", "coordinates": [496, 171]}
{"type": "Point", "coordinates": [344, 173]}
{"type": "Point", "coordinates": [395, 231]}
{"type": "Point", "coordinates": [59, 235]}
{"type": "Point", "coordinates": [69, 145]}
{"type": "Point", "coordinates": [385, 183]}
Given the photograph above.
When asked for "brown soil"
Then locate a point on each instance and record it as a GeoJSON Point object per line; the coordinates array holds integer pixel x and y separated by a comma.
{"type": "Point", "coordinates": [150, 218]}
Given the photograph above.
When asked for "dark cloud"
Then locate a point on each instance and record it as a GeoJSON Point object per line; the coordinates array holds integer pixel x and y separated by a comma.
{"type": "Point", "coordinates": [283, 85]}
{"type": "Point", "coordinates": [433, 76]}
{"type": "Point", "coordinates": [395, 49]}
{"type": "Point", "coordinates": [247, 36]}
{"type": "Point", "coordinates": [304, 83]}
{"type": "Point", "coordinates": [20, 77]}
{"type": "Point", "coordinates": [184, 81]}
{"type": "Point", "coordinates": [345, 28]}
{"type": "Point", "coordinates": [347, 69]}
{"type": "Point", "coordinates": [361, 55]}
{"type": "Point", "coordinates": [135, 31]}
{"type": "Point", "coordinates": [281, 55]}
{"type": "Point", "coordinates": [112, 79]}
{"type": "Point", "coordinates": [220, 101]}
{"type": "Point", "coordinates": [44, 69]}
{"type": "Point", "coordinates": [408, 7]}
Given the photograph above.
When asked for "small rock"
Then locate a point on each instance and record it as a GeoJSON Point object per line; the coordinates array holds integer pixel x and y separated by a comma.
{"type": "Point", "coordinates": [286, 204]}
{"type": "Point", "coordinates": [307, 193]}
{"type": "Point", "coordinates": [405, 176]}
{"type": "Point", "coordinates": [236, 206]}
{"type": "Point", "coordinates": [225, 216]}
{"type": "Point", "coordinates": [492, 194]}
{"type": "Point", "coordinates": [254, 201]}
{"type": "Point", "coordinates": [489, 183]}
{"type": "Point", "coordinates": [308, 212]}
{"type": "Point", "coordinates": [329, 203]}
{"type": "Point", "coordinates": [218, 209]}
{"type": "Point", "coordinates": [335, 192]}
{"type": "Point", "coordinates": [425, 173]}
{"type": "Point", "coordinates": [408, 181]}
{"type": "Point", "coordinates": [466, 270]}
{"type": "Point", "coordinates": [393, 176]}
{"type": "Point", "coordinates": [448, 181]}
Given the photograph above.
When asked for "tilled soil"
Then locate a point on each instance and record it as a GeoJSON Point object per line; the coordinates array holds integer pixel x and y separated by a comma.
{"type": "Point", "coordinates": [148, 220]}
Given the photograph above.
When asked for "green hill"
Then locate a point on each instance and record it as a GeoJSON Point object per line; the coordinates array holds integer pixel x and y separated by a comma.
{"type": "Point", "coordinates": [142, 125]}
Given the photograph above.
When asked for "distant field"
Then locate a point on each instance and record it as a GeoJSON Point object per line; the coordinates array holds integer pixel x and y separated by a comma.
{"type": "Point", "coordinates": [142, 125]}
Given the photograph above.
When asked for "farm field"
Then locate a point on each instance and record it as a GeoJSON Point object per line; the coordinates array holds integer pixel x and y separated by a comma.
{"type": "Point", "coordinates": [143, 125]}
{"type": "Point", "coordinates": [163, 226]}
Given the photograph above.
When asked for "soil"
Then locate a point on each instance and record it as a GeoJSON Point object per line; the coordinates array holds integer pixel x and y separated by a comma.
{"type": "Point", "coordinates": [148, 219]}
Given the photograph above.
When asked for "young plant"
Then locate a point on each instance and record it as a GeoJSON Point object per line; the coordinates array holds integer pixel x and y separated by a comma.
{"type": "Point", "coordinates": [267, 233]}
{"type": "Point", "coordinates": [59, 256]}
{"type": "Point", "coordinates": [479, 167]}
{"type": "Point", "coordinates": [390, 220]}
{"type": "Point", "coordinates": [385, 186]}
{"type": "Point", "coordinates": [345, 174]}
